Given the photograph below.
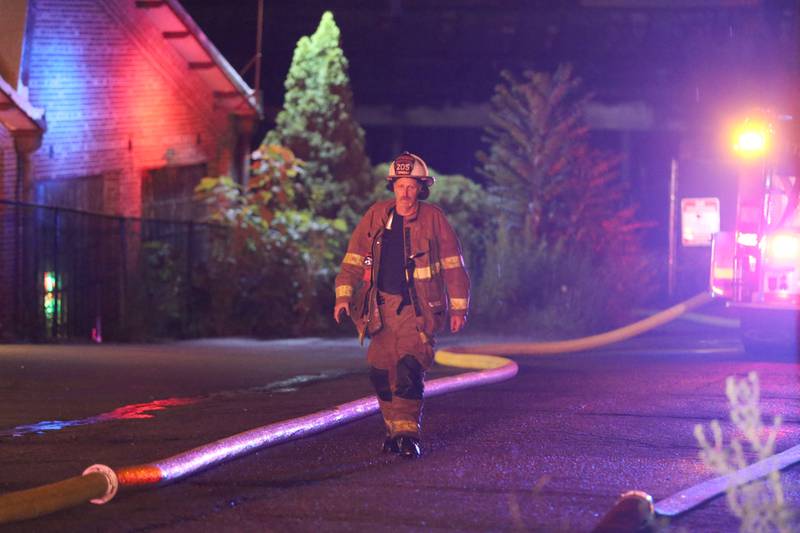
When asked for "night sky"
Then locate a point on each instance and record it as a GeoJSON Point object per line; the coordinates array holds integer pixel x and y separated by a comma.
{"type": "Point", "coordinates": [691, 62]}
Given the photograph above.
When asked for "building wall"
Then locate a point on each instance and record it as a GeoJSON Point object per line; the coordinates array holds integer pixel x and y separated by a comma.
{"type": "Point", "coordinates": [8, 167]}
{"type": "Point", "coordinates": [7, 179]}
{"type": "Point", "coordinates": [118, 102]}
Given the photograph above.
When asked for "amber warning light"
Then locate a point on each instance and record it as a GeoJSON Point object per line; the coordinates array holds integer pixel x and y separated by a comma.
{"type": "Point", "coordinates": [751, 139]}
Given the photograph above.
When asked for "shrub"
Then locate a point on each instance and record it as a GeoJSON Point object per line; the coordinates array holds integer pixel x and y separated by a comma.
{"type": "Point", "coordinates": [272, 274]}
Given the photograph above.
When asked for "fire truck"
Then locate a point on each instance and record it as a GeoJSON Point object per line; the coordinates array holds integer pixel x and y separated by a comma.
{"type": "Point", "coordinates": [756, 267]}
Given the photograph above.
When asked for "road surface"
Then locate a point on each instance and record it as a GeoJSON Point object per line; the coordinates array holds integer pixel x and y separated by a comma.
{"type": "Point", "coordinates": [549, 450]}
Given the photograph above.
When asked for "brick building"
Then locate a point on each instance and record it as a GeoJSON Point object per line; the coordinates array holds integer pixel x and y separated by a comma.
{"type": "Point", "coordinates": [110, 106]}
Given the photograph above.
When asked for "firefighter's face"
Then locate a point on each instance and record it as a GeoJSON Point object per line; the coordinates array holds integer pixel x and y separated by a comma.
{"type": "Point", "coordinates": [406, 191]}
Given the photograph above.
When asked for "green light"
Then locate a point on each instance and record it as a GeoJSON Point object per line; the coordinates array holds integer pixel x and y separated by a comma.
{"type": "Point", "coordinates": [49, 283]}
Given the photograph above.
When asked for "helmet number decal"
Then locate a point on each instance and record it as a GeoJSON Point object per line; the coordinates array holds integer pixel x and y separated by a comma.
{"type": "Point", "coordinates": [404, 165]}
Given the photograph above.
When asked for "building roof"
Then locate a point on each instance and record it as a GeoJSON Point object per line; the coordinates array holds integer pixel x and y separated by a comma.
{"type": "Point", "coordinates": [16, 113]}
{"type": "Point", "coordinates": [182, 33]}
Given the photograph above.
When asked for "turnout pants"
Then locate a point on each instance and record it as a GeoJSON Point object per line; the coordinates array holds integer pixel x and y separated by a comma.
{"type": "Point", "coordinates": [398, 359]}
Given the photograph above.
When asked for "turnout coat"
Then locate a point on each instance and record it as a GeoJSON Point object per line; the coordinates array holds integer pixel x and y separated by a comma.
{"type": "Point", "coordinates": [437, 280]}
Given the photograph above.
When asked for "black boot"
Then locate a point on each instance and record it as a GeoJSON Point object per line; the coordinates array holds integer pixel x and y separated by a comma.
{"type": "Point", "coordinates": [408, 447]}
{"type": "Point", "coordinates": [390, 445]}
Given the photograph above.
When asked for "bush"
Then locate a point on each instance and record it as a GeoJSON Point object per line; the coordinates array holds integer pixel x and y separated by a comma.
{"type": "Point", "coordinates": [158, 303]}
{"type": "Point", "coordinates": [272, 273]}
{"type": "Point", "coordinates": [547, 291]}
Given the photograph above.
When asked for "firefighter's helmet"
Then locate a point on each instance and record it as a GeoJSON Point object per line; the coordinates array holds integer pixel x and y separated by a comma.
{"type": "Point", "coordinates": [408, 165]}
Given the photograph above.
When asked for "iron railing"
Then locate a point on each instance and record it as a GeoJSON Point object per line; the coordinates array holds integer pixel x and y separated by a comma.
{"type": "Point", "coordinates": [68, 274]}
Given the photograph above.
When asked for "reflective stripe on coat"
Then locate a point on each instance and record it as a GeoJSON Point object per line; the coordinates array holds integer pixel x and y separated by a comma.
{"type": "Point", "coordinates": [438, 280]}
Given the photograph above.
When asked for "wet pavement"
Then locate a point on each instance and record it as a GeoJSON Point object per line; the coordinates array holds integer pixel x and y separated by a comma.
{"type": "Point", "coordinates": [549, 450]}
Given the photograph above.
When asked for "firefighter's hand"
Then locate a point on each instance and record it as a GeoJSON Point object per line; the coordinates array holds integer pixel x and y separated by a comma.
{"type": "Point", "coordinates": [457, 323]}
{"type": "Point", "coordinates": [339, 310]}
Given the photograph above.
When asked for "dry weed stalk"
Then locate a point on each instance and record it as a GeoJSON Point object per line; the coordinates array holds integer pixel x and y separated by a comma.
{"type": "Point", "coordinates": [759, 504]}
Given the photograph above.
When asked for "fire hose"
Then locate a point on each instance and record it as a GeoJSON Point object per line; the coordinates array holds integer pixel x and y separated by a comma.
{"type": "Point", "coordinates": [99, 483]}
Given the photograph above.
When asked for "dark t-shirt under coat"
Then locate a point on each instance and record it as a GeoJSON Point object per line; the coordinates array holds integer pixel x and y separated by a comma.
{"type": "Point", "coordinates": [391, 275]}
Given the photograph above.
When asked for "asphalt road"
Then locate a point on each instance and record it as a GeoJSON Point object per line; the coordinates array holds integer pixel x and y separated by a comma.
{"type": "Point", "coordinates": [549, 450]}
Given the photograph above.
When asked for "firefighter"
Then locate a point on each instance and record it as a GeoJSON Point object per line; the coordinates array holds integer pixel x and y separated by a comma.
{"type": "Point", "coordinates": [403, 275]}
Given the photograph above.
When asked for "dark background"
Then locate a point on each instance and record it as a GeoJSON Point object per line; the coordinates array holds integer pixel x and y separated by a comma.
{"type": "Point", "coordinates": [667, 75]}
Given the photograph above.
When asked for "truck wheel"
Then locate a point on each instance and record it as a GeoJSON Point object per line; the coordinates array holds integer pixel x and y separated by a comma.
{"type": "Point", "coordinates": [756, 345]}
{"type": "Point", "coordinates": [767, 333]}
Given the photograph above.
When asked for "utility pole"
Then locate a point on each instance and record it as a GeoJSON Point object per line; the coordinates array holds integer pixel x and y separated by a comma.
{"type": "Point", "coordinates": [259, 41]}
{"type": "Point", "coordinates": [673, 241]}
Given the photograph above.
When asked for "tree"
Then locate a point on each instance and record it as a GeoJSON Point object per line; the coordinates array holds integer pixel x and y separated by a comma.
{"type": "Point", "coordinates": [318, 124]}
{"type": "Point", "coordinates": [563, 205]}
{"type": "Point", "coordinates": [536, 137]}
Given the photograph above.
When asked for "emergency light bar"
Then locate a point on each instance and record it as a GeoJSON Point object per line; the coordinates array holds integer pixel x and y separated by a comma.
{"type": "Point", "coordinates": [752, 138]}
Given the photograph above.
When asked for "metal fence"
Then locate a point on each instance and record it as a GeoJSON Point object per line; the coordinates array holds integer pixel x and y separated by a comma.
{"type": "Point", "coordinates": [67, 274]}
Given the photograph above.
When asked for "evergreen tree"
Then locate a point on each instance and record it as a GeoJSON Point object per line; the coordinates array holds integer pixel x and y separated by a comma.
{"type": "Point", "coordinates": [535, 136]}
{"type": "Point", "coordinates": [317, 123]}
{"type": "Point", "coordinates": [563, 200]}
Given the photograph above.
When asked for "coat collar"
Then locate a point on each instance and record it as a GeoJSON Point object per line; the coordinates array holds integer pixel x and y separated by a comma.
{"type": "Point", "coordinates": [388, 206]}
